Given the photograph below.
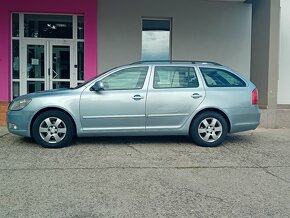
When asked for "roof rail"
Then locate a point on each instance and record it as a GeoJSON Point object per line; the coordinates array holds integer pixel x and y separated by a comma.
{"type": "Point", "coordinates": [177, 61]}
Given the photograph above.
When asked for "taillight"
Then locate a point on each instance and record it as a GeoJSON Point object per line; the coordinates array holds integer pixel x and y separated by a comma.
{"type": "Point", "coordinates": [255, 96]}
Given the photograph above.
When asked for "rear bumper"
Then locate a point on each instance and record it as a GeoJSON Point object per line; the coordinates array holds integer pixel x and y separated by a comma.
{"type": "Point", "coordinates": [244, 119]}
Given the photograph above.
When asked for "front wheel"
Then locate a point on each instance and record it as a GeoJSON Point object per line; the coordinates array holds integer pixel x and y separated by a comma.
{"type": "Point", "coordinates": [53, 129]}
{"type": "Point", "coordinates": [209, 129]}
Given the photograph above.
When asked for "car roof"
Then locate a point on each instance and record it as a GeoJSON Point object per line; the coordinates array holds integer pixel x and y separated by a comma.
{"type": "Point", "coordinates": [176, 62]}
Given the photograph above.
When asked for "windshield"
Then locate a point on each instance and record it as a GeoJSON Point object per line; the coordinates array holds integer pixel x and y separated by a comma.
{"type": "Point", "coordinates": [88, 81]}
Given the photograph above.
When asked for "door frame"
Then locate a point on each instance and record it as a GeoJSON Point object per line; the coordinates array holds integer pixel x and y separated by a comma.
{"type": "Point", "coordinates": [73, 75]}
{"type": "Point", "coordinates": [48, 48]}
{"type": "Point", "coordinates": [18, 85]}
{"type": "Point", "coordinates": [23, 68]}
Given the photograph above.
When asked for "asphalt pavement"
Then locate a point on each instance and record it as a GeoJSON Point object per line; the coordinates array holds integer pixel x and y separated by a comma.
{"type": "Point", "coordinates": [248, 176]}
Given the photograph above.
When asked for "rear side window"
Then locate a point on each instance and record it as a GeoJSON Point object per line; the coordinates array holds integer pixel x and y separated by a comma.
{"type": "Point", "coordinates": [221, 78]}
{"type": "Point", "coordinates": [174, 77]}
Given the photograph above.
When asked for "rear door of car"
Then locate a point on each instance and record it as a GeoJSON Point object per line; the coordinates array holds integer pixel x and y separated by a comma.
{"type": "Point", "coordinates": [174, 93]}
{"type": "Point", "coordinates": [120, 107]}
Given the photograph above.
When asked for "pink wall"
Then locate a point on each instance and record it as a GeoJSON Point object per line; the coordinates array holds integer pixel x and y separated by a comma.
{"type": "Point", "coordinates": [86, 7]}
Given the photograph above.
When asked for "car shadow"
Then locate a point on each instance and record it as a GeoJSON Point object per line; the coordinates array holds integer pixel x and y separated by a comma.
{"type": "Point", "coordinates": [231, 140]}
{"type": "Point", "coordinates": [117, 140]}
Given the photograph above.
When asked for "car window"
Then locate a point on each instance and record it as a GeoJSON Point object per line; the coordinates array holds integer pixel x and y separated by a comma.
{"type": "Point", "coordinates": [221, 78]}
{"type": "Point", "coordinates": [174, 77]}
{"type": "Point", "coordinates": [126, 79]}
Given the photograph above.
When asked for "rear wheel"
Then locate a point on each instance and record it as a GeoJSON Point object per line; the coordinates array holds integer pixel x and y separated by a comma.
{"type": "Point", "coordinates": [53, 129]}
{"type": "Point", "coordinates": [209, 129]}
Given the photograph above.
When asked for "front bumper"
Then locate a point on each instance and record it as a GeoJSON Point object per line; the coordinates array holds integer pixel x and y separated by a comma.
{"type": "Point", "coordinates": [18, 122]}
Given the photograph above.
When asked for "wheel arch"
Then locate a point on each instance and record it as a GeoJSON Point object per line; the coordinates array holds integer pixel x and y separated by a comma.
{"type": "Point", "coordinates": [212, 110]}
{"type": "Point", "coordinates": [48, 109]}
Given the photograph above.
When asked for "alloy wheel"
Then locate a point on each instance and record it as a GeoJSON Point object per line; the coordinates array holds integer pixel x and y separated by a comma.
{"type": "Point", "coordinates": [210, 129]}
{"type": "Point", "coordinates": [52, 130]}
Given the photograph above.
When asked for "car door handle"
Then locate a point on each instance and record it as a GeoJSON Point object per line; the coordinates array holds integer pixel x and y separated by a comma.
{"type": "Point", "coordinates": [196, 95]}
{"type": "Point", "coordinates": [137, 97]}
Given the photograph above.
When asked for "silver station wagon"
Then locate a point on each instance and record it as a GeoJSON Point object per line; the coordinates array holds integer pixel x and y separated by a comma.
{"type": "Point", "coordinates": [203, 100]}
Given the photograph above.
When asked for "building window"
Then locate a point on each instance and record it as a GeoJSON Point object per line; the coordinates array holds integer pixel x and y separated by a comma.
{"type": "Point", "coordinates": [15, 59]}
{"type": "Point", "coordinates": [81, 61]}
{"type": "Point", "coordinates": [81, 27]}
{"type": "Point", "coordinates": [15, 56]}
{"type": "Point", "coordinates": [156, 39]}
{"type": "Point", "coordinates": [15, 25]}
{"type": "Point", "coordinates": [80, 49]}
{"type": "Point", "coordinates": [48, 26]}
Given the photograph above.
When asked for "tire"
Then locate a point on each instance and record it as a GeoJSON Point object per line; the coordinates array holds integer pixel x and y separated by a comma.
{"type": "Point", "coordinates": [53, 129]}
{"type": "Point", "coordinates": [209, 129]}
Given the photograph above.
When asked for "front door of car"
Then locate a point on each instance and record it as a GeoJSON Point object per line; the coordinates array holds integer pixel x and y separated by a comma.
{"type": "Point", "coordinates": [119, 106]}
{"type": "Point", "coordinates": [174, 94]}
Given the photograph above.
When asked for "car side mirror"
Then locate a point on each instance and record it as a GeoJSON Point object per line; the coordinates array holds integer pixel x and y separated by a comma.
{"type": "Point", "coordinates": [98, 86]}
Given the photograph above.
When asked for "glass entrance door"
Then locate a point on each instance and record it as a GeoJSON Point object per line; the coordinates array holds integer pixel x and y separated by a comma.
{"type": "Point", "coordinates": [60, 66]}
{"type": "Point", "coordinates": [34, 68]}
{"type": "Point", "coordinates": [48, 65]}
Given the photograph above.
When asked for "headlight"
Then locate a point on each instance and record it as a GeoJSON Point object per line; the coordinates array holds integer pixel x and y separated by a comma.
{"type": "Point", "coordinates": [17, 105]}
